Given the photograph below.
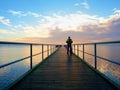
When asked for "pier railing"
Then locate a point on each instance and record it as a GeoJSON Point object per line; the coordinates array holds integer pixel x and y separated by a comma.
{"type": "Point", "coordinates": [41, 51]}
{"type": "Point", "coordinates": [103, 57]}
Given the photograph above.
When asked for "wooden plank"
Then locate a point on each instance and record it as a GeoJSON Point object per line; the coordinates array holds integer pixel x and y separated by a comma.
{"type": "Point", "coordinates": [63, 72]}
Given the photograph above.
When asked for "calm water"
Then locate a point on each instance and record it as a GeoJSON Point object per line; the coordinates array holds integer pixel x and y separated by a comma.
{"type": "Point", "coordinates": [9, 53]}
{"type": "Point", "coordinates": [108, 51]}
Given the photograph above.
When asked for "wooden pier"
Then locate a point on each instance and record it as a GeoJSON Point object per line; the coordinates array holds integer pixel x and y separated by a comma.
{"type": "Point", "coordinates": [63, 72]}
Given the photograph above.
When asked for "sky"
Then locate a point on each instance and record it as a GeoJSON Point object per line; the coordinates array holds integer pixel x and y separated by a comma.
{"type": "Point", "coordinates": [52, 21]}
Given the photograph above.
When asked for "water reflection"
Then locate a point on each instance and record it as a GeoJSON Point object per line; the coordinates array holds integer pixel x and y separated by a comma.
{"type": "Point", "coordinates": [12, 72]}
{"type": "Point", "coordinates": [37, 49]}
{"type": "Point", "coordinates": [90, 59]}
{"type": "Point", "coordinates": [110, 51]}
{"type": "Point", "coordinates": [3, 70]}
{"type": "Point", "coordinates": [37, 59]}
{"type": "Point", "coordinates": [89, 49]}
{"type": "Point", "coordinates": [9, 53]}
{"type": "Point", "coordinates": [109, 69]}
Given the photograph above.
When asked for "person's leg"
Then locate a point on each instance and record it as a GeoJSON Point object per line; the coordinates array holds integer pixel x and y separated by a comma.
{"type": "Point", "coordinates": [70, 49]}
{"type": "Point", "coordinates": [67, 49]}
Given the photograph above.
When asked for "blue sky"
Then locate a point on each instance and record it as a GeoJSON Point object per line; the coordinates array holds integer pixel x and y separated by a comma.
{"type": "Point", "coordinates": [54, 20]}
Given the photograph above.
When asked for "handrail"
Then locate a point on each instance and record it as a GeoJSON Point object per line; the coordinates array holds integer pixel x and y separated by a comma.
{"type": "Point", "coordinates": [5, 42]}
{"type": "Point", "coordinates": [105, 59]}
{"type": "Point", "coordinates": [109, 42]}
{"type": "Point", "coordinates": [95, 49]}
{"type": "Point", "coordinates": [31, 56]}
{"type": "Point", "coordinates": [14, 62]}
{"type": "Point", "coordinates": [114, 62]}
{"type": "Point", "coordinates": [94, 54]}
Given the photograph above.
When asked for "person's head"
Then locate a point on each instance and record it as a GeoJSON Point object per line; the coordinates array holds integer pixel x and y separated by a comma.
{"type": "Point", "coordinates": [69, 37]}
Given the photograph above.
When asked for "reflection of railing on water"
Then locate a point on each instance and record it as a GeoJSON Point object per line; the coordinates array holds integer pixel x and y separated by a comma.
{"type": "Point", "coordinates": [50, 49]}
{"type": "Point", "coordinates": [77, 50]}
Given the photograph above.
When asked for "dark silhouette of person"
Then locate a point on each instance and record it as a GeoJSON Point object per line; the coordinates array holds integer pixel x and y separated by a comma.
{"type": "Point", "coordinates": [69, 45]}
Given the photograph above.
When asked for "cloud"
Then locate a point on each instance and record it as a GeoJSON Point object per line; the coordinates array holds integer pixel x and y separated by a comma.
{"type": "Point", "coordinates": [6, 32]}
{"type": "Point", "coordinates": [33, 14]}
{"type": "Point", "coordinates": [80, 26]}
{"type": "Point", "coordinates": [5, 21]}
{"type": "Point", "coordinates": [116, 11]}
{"type": "Point", "coordinates": [76, 4]}
{"type": "Point", "coordinates": [24, 14]}
{"type": "Point", "coordinates": [36, 31]}
{"type": "Point", "coordinates": [85, 5]}
{"type": "Point", "coordinates": [18, 13]}
{"type": "Point", "coordinates": [71, 21]}
{"type": "Point", "coordinates": [105, 31]}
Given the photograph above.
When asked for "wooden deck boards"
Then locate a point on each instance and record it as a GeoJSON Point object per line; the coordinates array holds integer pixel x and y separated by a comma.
{"type": "Point", "coordinates": [63, 72]}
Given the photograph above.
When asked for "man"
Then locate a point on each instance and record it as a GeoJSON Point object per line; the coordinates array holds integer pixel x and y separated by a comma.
{"type": "Point", "coordinates": [69, 45]}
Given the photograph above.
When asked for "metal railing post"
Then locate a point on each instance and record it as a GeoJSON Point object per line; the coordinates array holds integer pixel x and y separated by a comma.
{"type": "Point", "coordinates": [83, 51]}
{"type": "Point", "coordinates": [53, 48]}
{"type": "Point", "coordinates": [50, 49]}
{"type": "Point", "coordinates": [42, 52]}
{"type": "Point", "coordinates": [30, 56]}
{"type": "Point", "coordinates": [74, 48]}
{"type": "Point", "coordinates": [78, 50]}
{"type": "Point", "coordinates": [95, 54]}
{"type": "Point", "coordinates": [47, 50]}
